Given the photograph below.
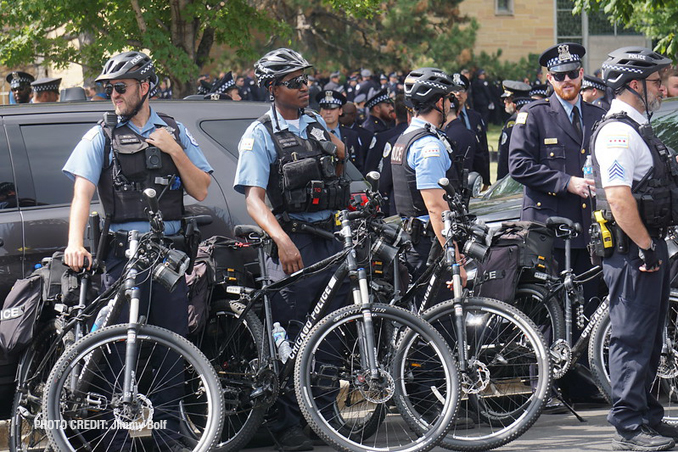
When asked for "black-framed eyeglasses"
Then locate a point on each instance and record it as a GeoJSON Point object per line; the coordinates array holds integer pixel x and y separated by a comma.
{"type": "Point", "coordinates": [119, 88]}
{"type": "Point", "coordinates": [560, 76]}
{"type": "Point", "coordinates": [657, 81]}
{"type": "Point", "coordinates": [296, 82]}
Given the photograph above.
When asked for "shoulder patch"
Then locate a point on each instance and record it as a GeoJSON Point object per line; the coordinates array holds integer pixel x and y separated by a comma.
{"type": "Point", "coordinates": [373, 142]}
{"type": "Point", "coordinates": [510, 124]}
{"type": "Point", "coordinates": [521, 118]}
{"type": "Point", "coordinates": [190, 138]}
{"type": "Point", "coordinates": [504, 137]}
{"type": "Point", "coordinates": [618, 141]}
{"type": "Point", "coordinates": [247, 144]}
{"type": "Point", "coordinates": [387, 150]}
{"type": "Point", "coordinates": [430, 152]}
{"type": "Point", "coordinates": [91, 133]}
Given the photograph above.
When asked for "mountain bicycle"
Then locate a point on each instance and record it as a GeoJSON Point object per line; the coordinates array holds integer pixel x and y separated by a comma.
{"type": "Point", "coordinates": [134, 383]}
{"type": "Point", "coordinates": [354, 370]}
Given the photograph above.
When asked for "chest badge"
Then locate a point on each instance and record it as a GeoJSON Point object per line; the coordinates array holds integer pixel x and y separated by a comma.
{"type": "Point", "coordinates": [318, 134]}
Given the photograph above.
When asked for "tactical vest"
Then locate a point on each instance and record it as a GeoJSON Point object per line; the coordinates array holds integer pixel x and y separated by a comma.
{"type": "Point", "coordinates": [136, 165]}
{"type": "Point", "coordinates": [304, 176]}
{"type": "Point", "coordinates": [408, 199]}
{"type": "Point", "coordinates": [657, 192]}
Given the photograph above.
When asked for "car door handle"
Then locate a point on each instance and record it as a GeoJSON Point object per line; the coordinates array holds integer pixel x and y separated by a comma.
{"type": "Point", "coordinates": [2, 242]}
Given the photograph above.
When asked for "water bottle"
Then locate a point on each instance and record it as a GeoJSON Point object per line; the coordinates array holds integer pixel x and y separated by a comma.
{"type": "Point", "coordinates": [280, 339]}
{"type": "Point", "coordinates": [101, 316]}
{"type": "Point", "coordinates": [587, 169]}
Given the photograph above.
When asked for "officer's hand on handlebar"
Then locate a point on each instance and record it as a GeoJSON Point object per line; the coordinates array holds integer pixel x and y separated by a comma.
{"type": "Point", "coordinates": [77, 257]}
{"type": "Point", "coordinates": [650, 258]}
{"type": "Point", "coordinates": [581, 187]}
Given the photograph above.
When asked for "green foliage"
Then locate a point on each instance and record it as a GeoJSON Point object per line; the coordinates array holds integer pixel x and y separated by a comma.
{"type": "Point", "coordinates": [655, 18]}
{"type": "Point", "coordinates": [508, 70]}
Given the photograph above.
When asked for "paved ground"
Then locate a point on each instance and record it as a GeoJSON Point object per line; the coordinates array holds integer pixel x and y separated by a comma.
{"type": "Point", "coordinates": [552, 432]}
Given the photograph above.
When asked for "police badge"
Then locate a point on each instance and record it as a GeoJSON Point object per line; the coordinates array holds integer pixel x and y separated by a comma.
{"type": "Point", "coordinates": [564, 52]}
{"type": "Point", "coordinates": [318, 134]}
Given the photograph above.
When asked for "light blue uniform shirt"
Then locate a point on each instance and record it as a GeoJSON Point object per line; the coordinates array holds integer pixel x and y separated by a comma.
{"type": "Point", "coordinates": [569, 108]}
{"type": "Point", "coordinates": [87, 161]}
{"type": "Point", "coordinates": [429, 158]}
{"type": "Point", "coordinates": [257, 153]}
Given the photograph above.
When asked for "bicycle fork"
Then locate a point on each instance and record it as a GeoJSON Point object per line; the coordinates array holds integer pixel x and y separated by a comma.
{"type": "Point", "coordinates": [131, 345]}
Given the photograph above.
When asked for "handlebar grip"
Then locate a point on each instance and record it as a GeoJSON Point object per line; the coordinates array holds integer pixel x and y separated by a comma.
{"type": "Point", "coordinates": [373, 179]}
{"type": "Point", "coordinates": [94, 232]}
{"type": "Point", "coordinates": [355, 215]}
{"type": "Point", "coordinates": [445, 185]}
{"type": "Point", "coordinates": [151, 199]}
{"type": "Point", "coordinates": [103, 237]}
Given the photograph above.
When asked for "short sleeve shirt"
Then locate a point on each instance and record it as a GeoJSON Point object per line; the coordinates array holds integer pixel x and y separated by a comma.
{"type": "Point", "coordinates": [87, 160]}
{"type": "Point", "coordinates": [257, 153]}
{"type": "Point", "coordinates": [621, 153]}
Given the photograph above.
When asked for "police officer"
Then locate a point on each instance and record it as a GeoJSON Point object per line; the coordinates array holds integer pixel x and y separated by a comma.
{"type": "Point", "coordinates": [594, 91]}
{"type": "Point", "coordinates": [548, 149]}
{"type": "Point", "coordinates": [20, 86]}
{"type": "Point", "coordinates": [46, 90]}
{"type": "Point", "coordinates": [349, 118]}
{"type": "Point", "coordinates": [269, 149]}
{"type": "Point", "coordinates": [465, 142]}
{"type": "Point", "coordinates": [516, 94]}
{"type": "Point", "coordinates": [380, 107]}
{"type": "Point", "coordinates": [103, 160]}
{"type": "Point", "coordinates": [224, 89]}
{"type": "Point", "coordinates": [330, 103]}
{"type": "Point", "coordinates": [635, 175]}
{"type": "Point", "coordinates": [419, 158]}
{"type": "Point", "coordinates": [473, 122]}
{"type": "Point", "coordinates": [541, 90]}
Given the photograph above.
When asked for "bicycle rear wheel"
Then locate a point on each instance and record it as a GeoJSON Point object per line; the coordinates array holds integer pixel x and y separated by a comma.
{"type": "Point", "coordinates": [238, 351]}
{"type": "Point", "coordinates": [176, 397]}
{"type": "Point", "coordinates": [24, 432]}
{"type": "Point", "coordinates": [508, 378]}
{"type": "Point", "coordinates": [415, 370]}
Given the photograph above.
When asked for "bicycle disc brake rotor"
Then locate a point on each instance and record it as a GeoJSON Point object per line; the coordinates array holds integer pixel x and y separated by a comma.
{"type": "Point", "coordinates": [476, 379]}
{"type": "Point", "coordinates": [668, 365]}
{"type": "Point", "coordinates": [135, 416]}
{"type": "Point", "coordinates": [376, 390]}
{"type": "Point", "coordinates": [561, 357]}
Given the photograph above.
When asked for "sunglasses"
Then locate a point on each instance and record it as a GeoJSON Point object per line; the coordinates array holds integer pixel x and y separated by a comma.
{"type": "Point", "coordinates": [119, 88]}
{"type": "Point", "coordinates": [19, 88]}
{"type": "Point", "coordinates": [560, 76]}
{"type": "Point", "coordinates": [296, 82]}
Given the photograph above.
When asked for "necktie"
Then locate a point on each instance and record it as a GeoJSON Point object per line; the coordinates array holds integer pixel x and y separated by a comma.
{"type": "Point", "coordinates": [464, 119]}
{"type": "Point", "coordinates": [576, 120]}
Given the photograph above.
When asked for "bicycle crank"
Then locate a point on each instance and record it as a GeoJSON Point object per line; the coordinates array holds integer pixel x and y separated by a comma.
{"type": "Point", "coordinates": [561, 358]}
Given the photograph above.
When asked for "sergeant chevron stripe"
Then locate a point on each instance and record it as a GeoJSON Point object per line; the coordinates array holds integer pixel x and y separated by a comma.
{"type": "Point", "coordinates": [616, 171]}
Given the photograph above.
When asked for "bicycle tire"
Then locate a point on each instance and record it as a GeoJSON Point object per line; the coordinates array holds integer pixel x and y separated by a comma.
{"type": "Point", "coordinates": [237, 352]}
{"type": "Point", "coordinates": [94, 415]}
{"type": "Point", "coordinates": [27, 403]}
{"type": "Point", "coordinates": [409, 352]}
{"type": "Point", "coordinates": [665, 385]}
{"type": "Point", "coordinates": [547, 315]}
{"type": "Point", "coordinates": [507, 353]}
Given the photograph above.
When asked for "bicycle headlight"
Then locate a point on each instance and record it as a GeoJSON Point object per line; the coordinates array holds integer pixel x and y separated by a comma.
{"type": "Point", "coordinates": [172, 269]}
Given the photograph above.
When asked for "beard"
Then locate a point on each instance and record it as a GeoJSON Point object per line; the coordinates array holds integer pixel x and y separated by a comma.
{"type": "Point", "coordinates": [510, 108]}
{"type": "Point", "coordinates": [653, 103]}
{"type": "Point", "coordinates": [570, 94]}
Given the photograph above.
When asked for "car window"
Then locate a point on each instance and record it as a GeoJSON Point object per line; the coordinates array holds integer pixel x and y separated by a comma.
{"type": "Point", "coordinates": [7, 188]}
{"type": "Point", "coordinates": [665, 126]}
{"type": "Point", "coordinates": [226, 132]}
{"type": "Point", "coordinates": [48, 147]}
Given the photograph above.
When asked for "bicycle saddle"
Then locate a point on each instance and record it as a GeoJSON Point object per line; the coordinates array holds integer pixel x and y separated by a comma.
{"type": "Point", "coordinates": [249, 231]}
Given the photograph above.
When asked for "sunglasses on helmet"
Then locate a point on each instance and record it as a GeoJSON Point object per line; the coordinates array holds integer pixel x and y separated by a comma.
{"type": "Point", "coordinates": [296, 82]}
{"type": "Point", "coordinates": [560, 76]}
{"type": "Point", "coordinates": [119, 88]}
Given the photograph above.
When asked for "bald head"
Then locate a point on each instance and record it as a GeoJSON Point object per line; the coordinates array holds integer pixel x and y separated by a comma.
{"type": "Point", "coordinates": [348, 115]}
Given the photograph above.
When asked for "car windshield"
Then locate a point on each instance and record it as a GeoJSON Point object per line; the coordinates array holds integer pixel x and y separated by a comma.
{"type": "Point", "coordinates": [503, 187]}
{"type": "Point", "coordinates": [665, 123]}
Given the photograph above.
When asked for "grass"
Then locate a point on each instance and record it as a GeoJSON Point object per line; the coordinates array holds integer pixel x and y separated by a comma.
{"type": "Point", "coordinates": [493, 134]}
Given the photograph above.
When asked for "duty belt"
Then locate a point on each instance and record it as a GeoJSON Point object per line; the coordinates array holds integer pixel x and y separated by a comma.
{"type": "Point", "coordinates": [293, 225]}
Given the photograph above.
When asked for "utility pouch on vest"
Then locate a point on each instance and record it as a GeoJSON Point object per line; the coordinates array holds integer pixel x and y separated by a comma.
{"type": "Point", "coordinates": [299, 173]}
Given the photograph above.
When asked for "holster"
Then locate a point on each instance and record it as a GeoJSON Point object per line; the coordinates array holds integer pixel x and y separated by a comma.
{"type": "Point", "coordinates": [416, 228]}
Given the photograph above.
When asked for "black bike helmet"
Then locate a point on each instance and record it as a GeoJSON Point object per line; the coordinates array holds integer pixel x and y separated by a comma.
{"type": "Point", "coordinates": [278, 63]}
{"type": "Point", "coordinates": [631, 63]}
{"type": "Point", "coordinates": [427, 85]}
{"type": "Point", "coordinates": [134, 65]}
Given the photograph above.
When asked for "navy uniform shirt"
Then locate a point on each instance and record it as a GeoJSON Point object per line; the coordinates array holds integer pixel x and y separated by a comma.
{"type": "Point", "coordinates": [481, 159]}
{"type": "Point", "coordinates": [504, 140]}
{"type": "Point", "coordinates": [465, 142]}
{"type": "Point", "coordinates": [375, 125]}
{"type": "Point", "coordinates": [354, 149]}
{"type": "Point", "coordinates": [544, 152]}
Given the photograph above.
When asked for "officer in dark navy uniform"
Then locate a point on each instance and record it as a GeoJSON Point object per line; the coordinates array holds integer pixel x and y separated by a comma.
{"type": "Point", "coordinates": [474, 122]}
{"type": "Point", "coordinates": [331, 103]}
{"type": "Point", "coordinates": [636, 180]}
{"type": "Point", "coordinates": [20, 86]}
{"type": "Point", "coordinates": [594, 91]}
{"type": "Point", "coordinates": [380, 108]}
{"type": "Point", "coordinates": [516, 94]}
{"type": "Point", "coordinates": [540, 91]}
{"type": "Point", "coordinates": [548, 149]}
{"type": "Point", "coordinates": [465, 142]}
{"type": "Point", "coordinates": [46, 90]}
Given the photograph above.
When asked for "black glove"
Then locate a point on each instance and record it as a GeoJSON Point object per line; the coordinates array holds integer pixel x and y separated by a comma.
{"type": "Point", "coordinates": [649, 256]}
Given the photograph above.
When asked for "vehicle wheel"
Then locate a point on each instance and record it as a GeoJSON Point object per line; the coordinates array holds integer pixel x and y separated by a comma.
{"type": "Point", "coordinates": [27, 405]}
{"type": "Point", "coordinates": [415, 370]}
{"type": "Point", "coordinates": [81, 415]}
{"type": "Point", "coordinates": [508, 378]}
{"type": "Point", "coordinates": [237, 349]}
{"type": "Point", "coordinates": [599, 345]}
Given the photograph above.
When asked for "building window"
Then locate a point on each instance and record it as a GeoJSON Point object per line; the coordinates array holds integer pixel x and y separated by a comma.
{"type": "Point", "coordinates": [504, 7]}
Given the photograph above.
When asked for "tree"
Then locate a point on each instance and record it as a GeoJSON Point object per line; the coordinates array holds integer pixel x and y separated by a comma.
{"type": "Point", "coordinates": [655, 18]}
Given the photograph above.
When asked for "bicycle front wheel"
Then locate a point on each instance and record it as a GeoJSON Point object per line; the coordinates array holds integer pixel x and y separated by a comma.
{"type": "Point", "coordinates": [414, 369]}
{"type": "Point", "coordinates": [176, 398]}
{"type": "Point", "coordinates": [508, 374]}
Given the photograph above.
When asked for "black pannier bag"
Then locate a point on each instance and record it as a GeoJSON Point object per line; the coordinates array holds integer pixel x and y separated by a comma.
{"type": "Point", "coordinates": [518, 248]}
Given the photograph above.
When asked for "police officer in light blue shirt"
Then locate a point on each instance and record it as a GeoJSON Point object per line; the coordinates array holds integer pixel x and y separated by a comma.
{"type": "Point", "coordinates": [289, 170]}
